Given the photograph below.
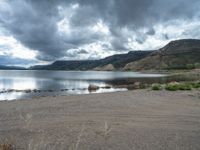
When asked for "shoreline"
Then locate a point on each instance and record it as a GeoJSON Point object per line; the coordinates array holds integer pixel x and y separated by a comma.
{"type": "Point", "coordinates": [116, 86]}
{"type": "Point", "coordinates": [102, 93]}
{"type": "Point", "coordinates": [66, 95]}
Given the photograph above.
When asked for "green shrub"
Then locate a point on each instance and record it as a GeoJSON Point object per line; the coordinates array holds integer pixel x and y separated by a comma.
{"type": "Point", "coordinates": [156, 87]}
{"type": "Point", "coordinates": [185, 86]}
{"type": "Point", "coordinates": [190, 66]}
{"type": "Point", "coordinates": [197, 65]}
{"type": "Point", "coordinates": [173, 86]}
{"type": "Point", "coordinates": [196, 85]}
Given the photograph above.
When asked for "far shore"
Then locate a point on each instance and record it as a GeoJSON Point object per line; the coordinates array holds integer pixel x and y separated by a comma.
{"type": "Point", "coordinates": [139, 119]}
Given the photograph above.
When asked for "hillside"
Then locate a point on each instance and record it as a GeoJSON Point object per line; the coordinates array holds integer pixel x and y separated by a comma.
{"type": "Point", "coordinates": [115, 62]}
{"type": "Point", "coordinates": [176, 55]}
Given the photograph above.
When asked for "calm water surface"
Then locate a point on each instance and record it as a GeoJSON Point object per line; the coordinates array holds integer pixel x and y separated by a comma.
{"type": "Point", "coordinates": [27, 84]}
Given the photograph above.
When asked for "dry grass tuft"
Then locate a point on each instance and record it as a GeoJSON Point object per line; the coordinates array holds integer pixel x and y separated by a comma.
{"type": "Point", "coordinates": [6, 147]}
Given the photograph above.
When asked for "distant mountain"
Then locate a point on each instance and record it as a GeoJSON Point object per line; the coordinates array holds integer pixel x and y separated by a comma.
{"type": "Point", "coordinates": [176, 55]}
{"type": "Point", "coordinates": [11, 68]}
{"type": "Point", "coordinates": [115, 62]}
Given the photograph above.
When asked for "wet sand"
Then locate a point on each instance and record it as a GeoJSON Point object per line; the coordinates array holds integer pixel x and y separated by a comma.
{"type": "Point", "coordinates": [140, 120]}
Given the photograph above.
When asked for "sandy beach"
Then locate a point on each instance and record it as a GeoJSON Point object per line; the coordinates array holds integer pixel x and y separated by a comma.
{"type": "Point", "coordinates": [132, 120]}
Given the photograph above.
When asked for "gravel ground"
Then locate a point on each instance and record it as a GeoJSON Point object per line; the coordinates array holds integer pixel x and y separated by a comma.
{"type": "Point", "coordinates": [132, 120]}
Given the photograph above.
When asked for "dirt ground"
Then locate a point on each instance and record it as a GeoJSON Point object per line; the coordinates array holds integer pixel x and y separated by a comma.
{"type": "Point", "coordinates": [132, 120]}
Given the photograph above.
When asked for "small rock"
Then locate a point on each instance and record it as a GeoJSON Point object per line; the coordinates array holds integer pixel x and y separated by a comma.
{"type": "Point", "coordinates": [35, 90]}
{"type": "Point", "coordinates": [18, 90]}
{"type": "Point", "coordinates": [27, 91]}
{"type": "Point", "coordinates": [107, 87]}
{"type": "Point", "coordinates": [10, 90]}
{"type": "Point", "coordinates": [64, 90]}
{"type": "Point", "coordinates": [93, 87]}
{"type": "Point", "coordinates": [136, 85]}
{"type": "Point", "coordinates": [131, 87]}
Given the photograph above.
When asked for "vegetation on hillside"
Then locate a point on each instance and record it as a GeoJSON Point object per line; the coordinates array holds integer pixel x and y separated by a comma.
{"type": "Point", "coordinates": [180, 54]}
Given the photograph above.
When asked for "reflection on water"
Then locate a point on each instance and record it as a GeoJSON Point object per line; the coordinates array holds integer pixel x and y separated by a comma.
{"type": "Point", "coordinates": [17, 83]}
{"type": "Point", "coordinates": [28, 84]}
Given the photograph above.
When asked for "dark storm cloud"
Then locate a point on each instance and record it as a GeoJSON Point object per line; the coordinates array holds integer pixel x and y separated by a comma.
{"type": "Point", "coordinates": [34, 22]}
{"type": "Point", "coordinates": [135, 13]}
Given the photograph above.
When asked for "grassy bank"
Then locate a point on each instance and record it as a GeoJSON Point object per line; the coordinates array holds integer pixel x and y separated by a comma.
{"type": "Point", "coordinates": [174, 86]}
{"type": "Point", "coordinates": [172, 76]}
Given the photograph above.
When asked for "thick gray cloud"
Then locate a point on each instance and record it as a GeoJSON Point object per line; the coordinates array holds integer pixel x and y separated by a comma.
{"type": "Point", "coordinates": [34, 23]}
{"type": "Point", "coordinates": [8, 61]}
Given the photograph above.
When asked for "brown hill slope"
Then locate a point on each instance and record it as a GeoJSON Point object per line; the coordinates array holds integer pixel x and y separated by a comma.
{"type": "Point", "coordinates": [175, 55]}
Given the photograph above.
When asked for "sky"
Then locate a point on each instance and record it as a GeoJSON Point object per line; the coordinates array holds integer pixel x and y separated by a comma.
{"type": "Point", "coordinates": [42, 31]}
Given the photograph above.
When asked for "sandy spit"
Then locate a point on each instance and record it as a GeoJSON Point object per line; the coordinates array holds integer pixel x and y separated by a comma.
{"type": "Point", "coordinates": [132, 120]}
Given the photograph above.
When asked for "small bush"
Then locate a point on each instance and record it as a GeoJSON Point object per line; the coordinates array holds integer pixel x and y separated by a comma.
{"type": "Point", "coordinates": [196, 85]}
{"type": "Point", "coordinates": [173, 86]}
{"type": "Point", "coordinates": [190, 66]}
{"type": "Point", "coordinates": [197, 65]}
{"type": "Point", "coordinates": [156, 87]}
{"type": "Point", "coordinates": [185, 86]}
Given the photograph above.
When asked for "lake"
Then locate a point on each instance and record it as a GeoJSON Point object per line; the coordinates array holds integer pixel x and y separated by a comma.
{"type": "Point", "coordinates": [26, 84]}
